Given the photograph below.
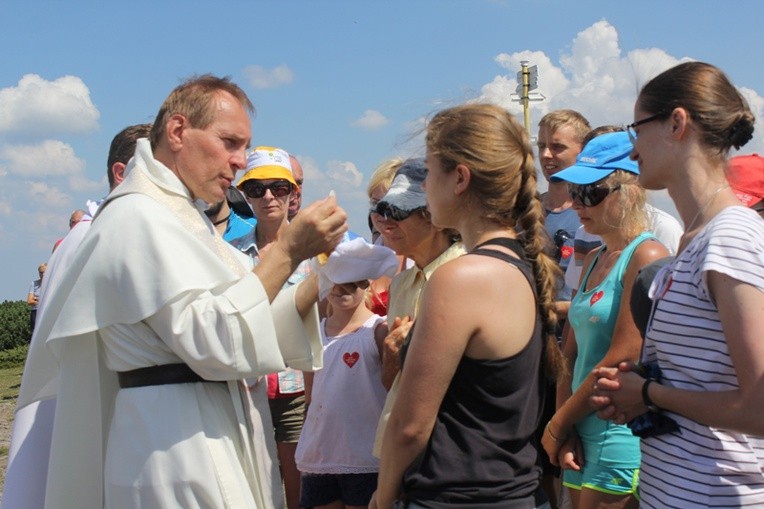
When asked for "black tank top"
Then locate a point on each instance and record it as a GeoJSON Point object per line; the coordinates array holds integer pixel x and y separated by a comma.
{"type": "Point", "coordinates": [481, 453]}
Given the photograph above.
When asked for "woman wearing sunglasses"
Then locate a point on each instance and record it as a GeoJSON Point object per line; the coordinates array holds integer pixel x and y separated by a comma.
{"type": "Point", "coordinates": [379, 184]}
{"type": "Point", "coordinates": [703, 345]}
{"type": "Point", "coordinates": [461, 431]}
{"type": "Point", "coordinates": [267, 186]}
{"type": "Point", "coordinates": [406, 228]}
{"type": "Point", "coordinates": [600, 459]}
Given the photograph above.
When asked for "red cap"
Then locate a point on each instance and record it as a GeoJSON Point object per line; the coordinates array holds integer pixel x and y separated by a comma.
{"type": "Point", "coordinates": [746, 177]}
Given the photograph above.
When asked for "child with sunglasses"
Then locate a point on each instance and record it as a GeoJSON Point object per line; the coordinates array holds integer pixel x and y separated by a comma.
{"type": "Point", "coordinates": [346, 396]}
{"type": "Point", "coordinates": [601, 459]}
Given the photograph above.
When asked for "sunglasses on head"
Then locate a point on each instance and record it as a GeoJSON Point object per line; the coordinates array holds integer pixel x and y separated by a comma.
{"type": "Point", "coordinates": [278, 189]}
{"type": "Point", "coordinates": [391, 212]}
{"type": "Point", "coordinates": [590, 195]}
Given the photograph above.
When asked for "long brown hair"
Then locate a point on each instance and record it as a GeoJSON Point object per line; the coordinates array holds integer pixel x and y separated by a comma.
{"type": "Point", "coordinates": [714, 104]}
{"type": "Point", "coordinates": [496, 148]}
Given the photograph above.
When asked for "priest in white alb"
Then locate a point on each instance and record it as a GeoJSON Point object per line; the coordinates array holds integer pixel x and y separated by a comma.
{"type": "Point", "coordinates": [158, 319]}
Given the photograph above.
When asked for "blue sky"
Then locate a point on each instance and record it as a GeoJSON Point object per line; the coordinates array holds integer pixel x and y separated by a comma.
{"type": "Point", "coordinates": [343, 85]}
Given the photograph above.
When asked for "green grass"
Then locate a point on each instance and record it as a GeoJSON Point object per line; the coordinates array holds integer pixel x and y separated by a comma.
{"type": "Point", "coordinates": [10, 381]}
{"type": "Point", "coordinates": [11, 367]}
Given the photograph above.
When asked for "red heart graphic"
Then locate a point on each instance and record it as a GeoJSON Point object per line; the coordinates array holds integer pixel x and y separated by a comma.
{"type": "Point", "coordinates": [597, 296]}
{"type": "Point", "coordinates": [566, 252]}
{"type": "Point", "coordinates": [350, 358]}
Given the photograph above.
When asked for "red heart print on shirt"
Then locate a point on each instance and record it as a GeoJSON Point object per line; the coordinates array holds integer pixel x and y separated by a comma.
{"type": "Point", "coordinates": [350, 358]}
{"type": "Point", "coordinates": [597, 296]}
{"type": "Point", "coordinates": [567, 252]}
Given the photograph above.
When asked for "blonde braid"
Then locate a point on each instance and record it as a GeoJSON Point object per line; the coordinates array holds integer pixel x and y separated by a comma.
{"type": "Point", "coordinates": [535, 241]}
{"type": "Point", "coordinates": [497, 150]}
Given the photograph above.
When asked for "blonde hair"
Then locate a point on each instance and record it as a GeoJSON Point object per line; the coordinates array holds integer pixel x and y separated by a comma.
{"type": "Point", "coordinates": [383, 175]}
{"type": "Point", "coordinates": [554, 120]}
{"type": "Point", "coordinates": [497, 150]}
{"type": "Point", "coordinates": [632, 198]}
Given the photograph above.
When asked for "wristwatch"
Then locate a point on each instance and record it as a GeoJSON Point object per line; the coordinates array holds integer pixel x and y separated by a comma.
{"type": "Point", "coordinates": [646, 396]}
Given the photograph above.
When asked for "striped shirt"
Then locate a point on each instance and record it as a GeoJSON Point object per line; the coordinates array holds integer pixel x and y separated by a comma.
{"type": "Point", "coordinates": [702, 466]}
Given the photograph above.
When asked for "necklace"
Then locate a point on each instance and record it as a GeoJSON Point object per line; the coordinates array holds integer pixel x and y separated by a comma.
{"type": "Point", "coordinates": [704, 207]}
{"type": "Point", "coordinates": [226, 218]}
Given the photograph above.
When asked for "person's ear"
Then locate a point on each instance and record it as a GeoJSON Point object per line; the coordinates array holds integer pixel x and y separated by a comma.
{"type": "Point", "coordinates": [176, 126]}
{"type": "Point", "coordinates": [463, 177]}
{"type": "Point", "coordinates": [680, 123]}
{"type": "Point", "coordinates": [118, 172]}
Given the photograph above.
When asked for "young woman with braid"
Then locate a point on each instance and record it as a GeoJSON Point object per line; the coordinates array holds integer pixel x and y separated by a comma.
{"type": "Point", "coordinates": [471, 389]}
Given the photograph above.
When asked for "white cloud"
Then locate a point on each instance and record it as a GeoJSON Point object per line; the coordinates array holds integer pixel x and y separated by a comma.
{"type": "Point", "coordinates": [345, 180]}
{"type": "Point", "coordinates": [371, 120]}
{"type": "Point", "coordinates": [501, 89]}
{"type": "Point", "coordinates": [343, 174]}
{"type": "Point", "coordinates": [51, 196]}
{"type": "Point", "coordinates": [80, 183]}
{"type": "Point", "coordinates": [48, 158]}
{"type": "Point", "coordinates": [260, 77]}
{"type": "Point", "coordinates": [38, 106]}
{"type": "Point", "coordinates": [344, 171]}
{"type": "Point", "coordinates": [595, 78]}
{"type": "Point", "coordinates": [310, 170]}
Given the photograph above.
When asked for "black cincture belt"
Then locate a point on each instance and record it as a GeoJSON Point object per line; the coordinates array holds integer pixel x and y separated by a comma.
{"type": "Point", "coordinates": [159, 375]}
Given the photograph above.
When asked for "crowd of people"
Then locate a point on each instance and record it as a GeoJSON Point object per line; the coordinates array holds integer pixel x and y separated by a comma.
{"type": "Point", "coordinates": [204, 340]}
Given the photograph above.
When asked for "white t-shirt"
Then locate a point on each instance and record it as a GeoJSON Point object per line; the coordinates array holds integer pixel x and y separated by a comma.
{"type": "Point", "coordinates": [702, 466]}
{"type": "Point", "coordinates": [346, 402]}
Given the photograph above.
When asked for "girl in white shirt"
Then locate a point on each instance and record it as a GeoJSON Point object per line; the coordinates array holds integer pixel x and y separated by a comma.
{"type": "Point", "coordinates": [346, 398]}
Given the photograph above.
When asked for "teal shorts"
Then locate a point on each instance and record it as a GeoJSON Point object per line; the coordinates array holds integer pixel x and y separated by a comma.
{"type": "Point", "coordinates": [606, 479]}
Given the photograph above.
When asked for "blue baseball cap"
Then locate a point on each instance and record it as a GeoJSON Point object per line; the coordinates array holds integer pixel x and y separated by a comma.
{"type": "Point", "coordinates": [599, 158]}
{"type": "Point", "coordinates": [406, 192]}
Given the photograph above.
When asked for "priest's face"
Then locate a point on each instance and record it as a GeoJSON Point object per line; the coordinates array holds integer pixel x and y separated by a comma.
{"type": "Point", "coordinates": [207, 159]}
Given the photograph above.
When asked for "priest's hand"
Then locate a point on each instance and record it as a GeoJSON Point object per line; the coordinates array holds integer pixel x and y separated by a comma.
{"type": "Point", "coordinates": [316, 229]}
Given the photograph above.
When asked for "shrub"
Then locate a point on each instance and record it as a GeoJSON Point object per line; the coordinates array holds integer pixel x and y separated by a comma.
{"type": "Point", "coordinates": [14, 324]}
{"type": "Point", "coordinates": [14, 357]}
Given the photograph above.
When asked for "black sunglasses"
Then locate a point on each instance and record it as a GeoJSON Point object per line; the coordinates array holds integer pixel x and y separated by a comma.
{"type": "Point", "coordinates": [630, 128]}
{"type": "Point", "coordinates": [278, 189]}
{"type": "Point", "coordinates": [391, 212]}
{"type": "Point", "coordinates": [590, 195]}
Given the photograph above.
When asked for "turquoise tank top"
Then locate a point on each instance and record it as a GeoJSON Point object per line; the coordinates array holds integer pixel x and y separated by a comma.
{"type": "Point", "coordinates": [592, 315]}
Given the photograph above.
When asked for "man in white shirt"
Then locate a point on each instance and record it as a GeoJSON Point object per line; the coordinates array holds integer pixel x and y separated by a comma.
{"type": "Point", "coordinates": [159, 318]}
